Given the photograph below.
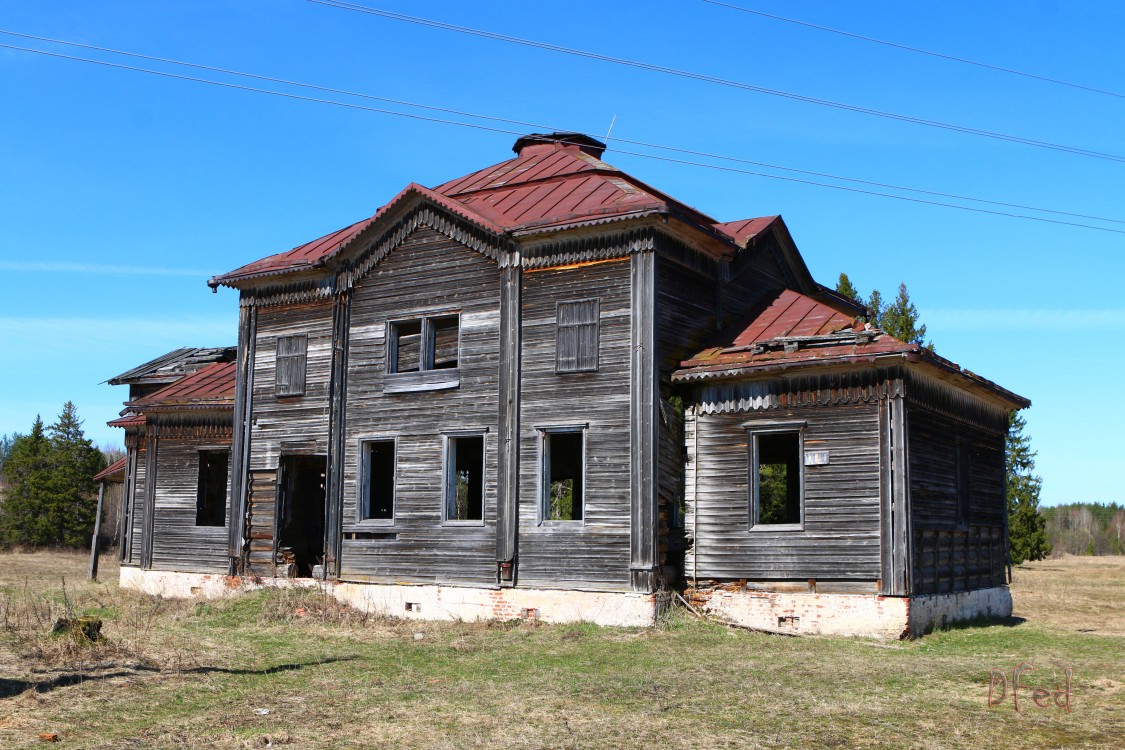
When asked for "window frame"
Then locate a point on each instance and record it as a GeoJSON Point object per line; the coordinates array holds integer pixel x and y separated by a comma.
{"type": "Point", "coordinates": [543, 474]}
{"type": "Point", "coordinates": [753, 432]}
{"type": "Point", "coordinates": [199, 487]}
{"type": "Point", "coordinates": [595, 326]}
{"type": "Point", "coordinates": [426, 377]}
{"type": "Point", "coordinates": [290, 390]}
{"type": "Point", "coordinates": [363, 482]}
{"type": "Point", "coordinates": [448, 494]}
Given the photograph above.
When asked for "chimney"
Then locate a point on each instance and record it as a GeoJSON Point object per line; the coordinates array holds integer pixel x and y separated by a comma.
{"type": "Point", "coordinates": [535, 143]}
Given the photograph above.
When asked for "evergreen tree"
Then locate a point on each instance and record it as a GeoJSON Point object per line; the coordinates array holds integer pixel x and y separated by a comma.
{"type": "Point", "coordinates": [71, 493]}
{"type": "Point", "coordinates": [27, 470]}
{"type": "Point", "coordinates": [1027, 528]}
{"type": "Point", "coordinates": [876, 307]}
{"type": "Point", "coordinates": [845, 288]}
{"type": "Point", "coordinates": [900, 319]}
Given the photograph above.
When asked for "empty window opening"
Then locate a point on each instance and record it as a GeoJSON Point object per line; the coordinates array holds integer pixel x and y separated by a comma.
{"type": "Point", "coordinates": [562, 474]}
{"type": "Point", "coordinates": [778, 464]}
{"type": "Point", "coordinates": [378, 498]}
{"type": "Point", "coordinates": [211, 494]}
{"type": "Point", "coordinates": [465, 479]}
{"type": "Point", "coordinates": [292, 354]}
{"type": "Point", "coordinates": [426, 344]}
{"type": "Point", "coordinates": [576, 342]}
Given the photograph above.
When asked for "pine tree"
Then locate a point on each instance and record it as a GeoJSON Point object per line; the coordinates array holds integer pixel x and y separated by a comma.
{"type": "Point", "coordinates": [876, 307]}
{"type": "Point", "coordinates": [71, 502]}
{"type": "Point", "coordinates": [1027, 528]}
{"type": "Point", "coordinates": [27, 470]}
{"type": "Point", "coordinates": [900, 319]}
{"type": "Point", "coordinates": [845, 288]}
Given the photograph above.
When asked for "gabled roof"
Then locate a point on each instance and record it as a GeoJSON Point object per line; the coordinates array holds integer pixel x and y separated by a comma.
{"type": "Point", "coordinates": [211, 387]}
{"type": "Point", "coordinates": [172, 366]}
{"type": "Point", "coordinates": [115, 472]}
{"type": "Point", "coordinates": [793, 331]}
{"type": "Point", "coordinates": [555, 182]}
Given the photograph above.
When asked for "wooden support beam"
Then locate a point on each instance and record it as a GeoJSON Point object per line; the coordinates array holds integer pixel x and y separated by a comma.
{"type": "Point", "coordinates": [644, 422]}
{"type": "Point", "coordinates": [337, 418]}
{"type": "Point", "coordinates": [508, 458]}
{"type": "Point", "coordinates": [240, 439]}
{"type": "Point", "coordinates": [93, 574]}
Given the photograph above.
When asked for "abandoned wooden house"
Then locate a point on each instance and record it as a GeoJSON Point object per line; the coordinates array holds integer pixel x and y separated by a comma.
{"type": "Point", "coordinates": [547, 389]}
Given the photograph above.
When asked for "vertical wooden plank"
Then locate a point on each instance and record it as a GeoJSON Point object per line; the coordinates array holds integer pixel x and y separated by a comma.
{"type": "Point", "coordinates": [337, 400]}
{"type": "Point", "coordinates": [508, 448]}
{"type": "Point", "coordinates": [240, 443]}
{"type": "Point", "coordinates": [128, 506]}
{"type": "Point", "coordinates": [643, 421]}
{"type": "Point", "coordinates": [151, 443]}
{"type": "Point", "coordinates": [887, 577]}
{"type": "Point", "coordinates": [93, 574]}
{"type": "Point", "coordinates": [901, 497]}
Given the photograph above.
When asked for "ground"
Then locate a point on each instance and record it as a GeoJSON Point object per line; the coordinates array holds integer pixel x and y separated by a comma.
{"type": "Point", "coordinates": [293, 668]}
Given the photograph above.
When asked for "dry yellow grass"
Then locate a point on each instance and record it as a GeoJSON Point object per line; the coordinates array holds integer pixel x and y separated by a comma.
{"type": "Point", "coordinates": [184, 674]}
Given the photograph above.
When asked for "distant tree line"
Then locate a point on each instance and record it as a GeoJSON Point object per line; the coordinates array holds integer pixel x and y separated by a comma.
{"type": "Point", "coordinates": [1027, 525]}
{"type": "Point", "coordinates": [47, 496]}
{"type": "Point", "coordinates": [1087, 528]}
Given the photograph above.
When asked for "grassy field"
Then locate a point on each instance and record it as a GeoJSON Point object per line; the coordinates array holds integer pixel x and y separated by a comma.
{"type": "Point", "coordinates": [294, 669]}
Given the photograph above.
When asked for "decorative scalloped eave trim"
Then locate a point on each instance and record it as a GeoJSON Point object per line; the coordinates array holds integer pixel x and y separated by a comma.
{"type": "Point", "coordinates": [291, 294]}
{"type": "Point", "coordinates": [865, 386]}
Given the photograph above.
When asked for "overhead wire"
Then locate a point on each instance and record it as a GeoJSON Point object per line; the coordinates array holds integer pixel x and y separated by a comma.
{"type": "Point", "coordinates": [908, 48]}
{"type": "Point", "coordinates": [509, 121]}
{"type": "Point", "coordinates": [1075, 150]}
{"type": "Point", "coordinates": [413, 116]}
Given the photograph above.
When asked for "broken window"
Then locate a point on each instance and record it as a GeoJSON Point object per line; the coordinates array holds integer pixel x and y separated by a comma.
{"type": "Point", "coordinates": [377, 492]}
{"type": "Point", "coordinates": [576, 336]}
{"type": "Point", "coordinates": [776, 478]}
{"type": "Point", "coordinates": [425, 344]}
{"type": "Point", "coordinates": [464, 478]}
{"type": "Point", "coordinates": [291, 359]}
{"type": "Point", "coordinates": [211, 491]}
{"type": "Point", "coordinates": [563, 466]}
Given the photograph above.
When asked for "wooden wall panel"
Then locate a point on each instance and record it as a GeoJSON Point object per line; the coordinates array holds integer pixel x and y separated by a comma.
{"type": "Point", "coordinates": [840, 539]}
{"type": "Point", "coordinates": [593, 554]}
{"type": "Point", "coordinates": [427, 274]}
{"type": "Point", "coordinates": [178, 544]}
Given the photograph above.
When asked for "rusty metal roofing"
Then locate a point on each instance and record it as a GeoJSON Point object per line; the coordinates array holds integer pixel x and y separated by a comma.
{"type": "Point", "coordinates": [555, 181]}
{"type": "Point", "coordinates": [211, 387]}
{"type": "Point", "coordinates": [793, 330]}
{"type": "Point", "coordinates": [129, 420]}
{"type": "Point", "coordinates": [172, 366]}
{"type": "Point", "coordinates": [115, 472]}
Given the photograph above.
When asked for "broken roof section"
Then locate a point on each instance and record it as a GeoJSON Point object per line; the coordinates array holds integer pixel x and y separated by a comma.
{"type": "Point", "coordinates": [792, 331]}
{"type": "Point", "coordinates": [557, 181]}
{"type": "Point", "coordinates": [211, 387]}
{"type": "Point", "coordinates": [172, 366]}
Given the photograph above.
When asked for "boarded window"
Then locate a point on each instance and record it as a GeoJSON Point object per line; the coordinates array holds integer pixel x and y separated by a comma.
{"type": "Point", "coordinates": [291, 358]}
{"type": "Point", "coordinates": [563, 457]}
{"type": "Point", "coordinates": [777, 478]}
{"type": "Point", "coordinates": [211, 492]}
{"type": "Point", "coordinates": [377, 499]}
{"type": "Point", "coordinates": [464, 488]}
{"type": "Point", "coordinates": [426, 344]}
{"type": "Point", "coordinates": [576, 342]}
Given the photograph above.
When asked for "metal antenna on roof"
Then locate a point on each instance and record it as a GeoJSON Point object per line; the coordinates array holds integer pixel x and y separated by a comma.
{"type": "Point", "coordinates": [610, 127]}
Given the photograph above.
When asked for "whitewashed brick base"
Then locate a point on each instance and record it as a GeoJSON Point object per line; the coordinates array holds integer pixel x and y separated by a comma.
{"type": "Point", "coordinates": [425, 602]}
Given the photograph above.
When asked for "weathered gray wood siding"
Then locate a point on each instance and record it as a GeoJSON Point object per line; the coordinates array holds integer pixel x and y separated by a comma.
{"type": "Point", "coordinates": [754, 274]}
{"type": "Point", "coordinates": [592, 554]}
{"type": "Point", "coordinates": [279, 419]}
{"type": "Point", "coordinates": [178, 544]}
{"type": "Point", "coordinates": [953, 553]}
{"type": "Point", "coordinates": [136, 521]}
{"type": "Point", "coordinates": [840, 538]}
{"type": "Point", "coordinates": [687, 317]}
{"type": "Point", "coordinates": [261, 522]}
{"type": "Point", "coordinates": [427, 274]}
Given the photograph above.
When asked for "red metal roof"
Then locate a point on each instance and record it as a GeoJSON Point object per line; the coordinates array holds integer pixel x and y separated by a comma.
{"type": "Point", "coordinates": [212, 386]}
{"type": "Point", "coordinates": [129, 420]}
{"type": "Point", "coordinates": [550, 184]}
{"type": "Point", "coordinates": [115, 472]}
{"type": "Point", "coordinates": [793, 330]}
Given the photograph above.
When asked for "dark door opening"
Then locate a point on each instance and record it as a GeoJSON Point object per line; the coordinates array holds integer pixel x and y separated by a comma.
{"type": "Point", "coordinates": [300, 521]}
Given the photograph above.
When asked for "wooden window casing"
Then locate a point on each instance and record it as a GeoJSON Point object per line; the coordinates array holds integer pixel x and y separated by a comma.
{"type": "Point", "coordinates": [464, 486]}
{"type": "Point", "coordinates": [777, 479]}
{"type": "Point", "coordinates": [423, 344]}
{"type": "Point", "coordinates": [576, 335]}
{"type": "Point", "coordinates": [292, 358]}
{"type": "Point", "coordinates": [376, 499]}
{"type": "Point", "coordinates": [562, 475]}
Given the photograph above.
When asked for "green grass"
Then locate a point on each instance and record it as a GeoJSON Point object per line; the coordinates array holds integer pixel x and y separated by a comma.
{"type": "Point", "coordinates": [191, 674]}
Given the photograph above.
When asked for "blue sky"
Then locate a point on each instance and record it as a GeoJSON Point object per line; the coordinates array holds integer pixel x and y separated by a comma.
{"type": "Point", "coordinates": [122, 192]}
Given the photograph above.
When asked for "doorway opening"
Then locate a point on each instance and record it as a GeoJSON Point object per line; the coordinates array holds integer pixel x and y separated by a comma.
{"type": "Point", "coordinates": [300, 522]}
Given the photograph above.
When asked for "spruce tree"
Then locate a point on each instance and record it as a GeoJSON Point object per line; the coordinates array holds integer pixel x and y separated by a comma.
{"type": "Point", "coordinates": [876, 308]}
{"type": "Point", "coordinates": [71, 502]}
{"type": "Point", "coordinates": [1027, 527]}
{"type": "Point", "coordinates": [900, 319]}
{"type": "Point", "coordinates": [844, 287]}
{"type": "Point", "coordinates": [27, 469]}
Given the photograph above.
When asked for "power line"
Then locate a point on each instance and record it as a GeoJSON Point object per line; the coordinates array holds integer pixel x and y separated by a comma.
{"type": "Point", "coordinates": [920, 51]}
{"type": "Point", "coordinates": [721, 81]}
{"type": "Point", "coordinates": [539, 126]}
{"type": "Point", "coordinates": [475, 126]}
